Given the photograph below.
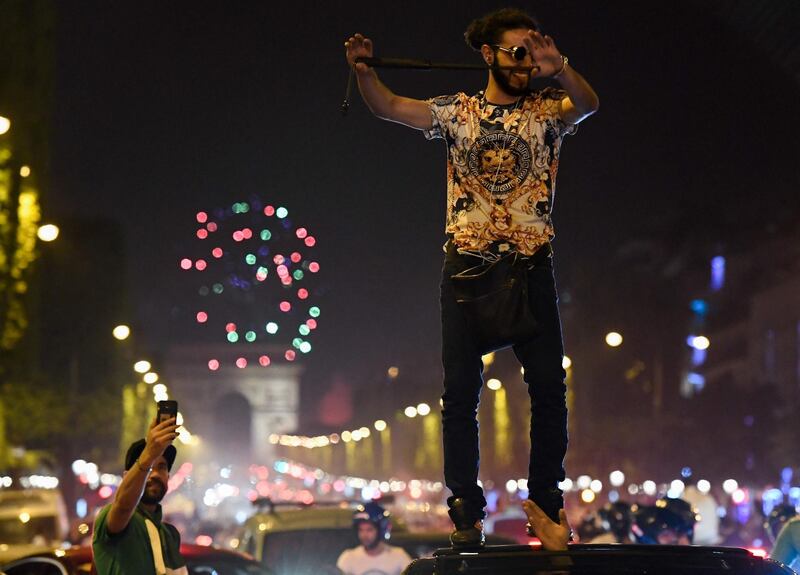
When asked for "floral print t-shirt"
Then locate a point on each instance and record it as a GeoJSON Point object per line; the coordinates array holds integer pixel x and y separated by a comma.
{"type": "Point", "coordinates": [502, 162]}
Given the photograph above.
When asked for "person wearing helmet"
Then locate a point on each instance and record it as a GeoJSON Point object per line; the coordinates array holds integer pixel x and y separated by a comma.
{"type": "Point", "coordinates": [615, 519]}
{"type": "Point", "coordinates": [374, 556]}
{"type": "Point", "coordinates": [787, 544]}
{"type": "Point", "coordinates": [670, 521]}
{"type": "Point", "coordinates": [777, 518]}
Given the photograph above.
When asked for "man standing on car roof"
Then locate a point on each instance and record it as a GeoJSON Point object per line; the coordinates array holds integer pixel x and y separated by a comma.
{"type": "Point", "coordinates": [503, 147]}
{"type": "Point", "coordinates": [129, 536]}
{"type": "Point", "coordinates": [374, 556]}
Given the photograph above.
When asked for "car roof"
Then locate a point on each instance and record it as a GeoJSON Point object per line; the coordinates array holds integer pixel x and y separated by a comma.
{"type": "Point", "coordinates": [304, 518]}
{"type": "Point", "coordinates": [597, 559]}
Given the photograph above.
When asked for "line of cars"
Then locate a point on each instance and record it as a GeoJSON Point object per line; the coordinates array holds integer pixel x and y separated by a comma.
{"type": "Point", "coordinates": [307, 540]}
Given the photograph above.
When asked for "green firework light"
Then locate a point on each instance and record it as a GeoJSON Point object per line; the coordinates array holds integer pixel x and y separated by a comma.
{"type": "Point", "coordinates": [258, 277]}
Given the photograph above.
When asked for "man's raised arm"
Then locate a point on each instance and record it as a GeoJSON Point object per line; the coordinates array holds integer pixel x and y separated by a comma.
{"type": "Point", "coordinates": [379, 99]}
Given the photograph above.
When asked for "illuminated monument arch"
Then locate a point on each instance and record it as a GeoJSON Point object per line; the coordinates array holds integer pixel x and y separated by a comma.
{"type": "Point", "coordinates": [233, 410]}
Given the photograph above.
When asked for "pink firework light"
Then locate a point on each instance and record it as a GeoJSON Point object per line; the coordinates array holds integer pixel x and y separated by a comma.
{"type": "Point", "coordinates": [260, 258]}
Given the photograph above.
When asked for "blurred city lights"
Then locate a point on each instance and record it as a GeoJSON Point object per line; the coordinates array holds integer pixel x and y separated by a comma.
{"type": "Point", "coordinates": [583, 481]}
{"type": "Point", "coordinates": [566, 485]}
{"type": "Point", "coordinates": [587, 496]}
{"type": "Point", "coordinates": [511, 486]}
{"type": "Point", "coordinates": [393, 372]}
{"type": "Point", "coordinates": [142, 366]}
{"type": "Point", "coordinates": [676, 489]}
{"type": "Point", "coordinates": [25, 171]}
{"type": "Point", "coordinates": [596, 486]}
{"type": "Point", "coordinates": [616, 478]}
{"type": "Point", "coordinates": [649, 487]}
{"type": "Point", "coordinates": [5, 125]}
{"type": "Point", "coordinates": [700, 342]}
{"type": "Point", "coordinates": [717, 273]}
{"type": "Point", "coordinates": [703, 486]}
{"type": "Point", "coordinates": [730, 485]}
{"type": "Point", "coordinates": [121, 332]}
{"type": "Point", "coordinates": [566, 362]}
{"type": "Point", "coordinates": [410, 411]}
{"type": "Point", "coordinates": [423, 409]}
{"type": "Point", "coordinates": [380, 425]}
{"type": "Point", "coordinates": [24, 517]}
{"type": "Point", "coordinates": [48, 232]}
{"type": "Point", "coordinates": [613, 339]}
{"type": "Point", "coordinates": [699, 307]}
{"type": "Point", "coordinates": [150, 377]}
{"type": "Point", "coordinates": [494, 384]}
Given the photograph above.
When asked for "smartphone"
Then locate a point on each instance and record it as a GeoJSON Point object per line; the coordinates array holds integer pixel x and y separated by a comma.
{"type": "Point", "coordinates": [166, 410]}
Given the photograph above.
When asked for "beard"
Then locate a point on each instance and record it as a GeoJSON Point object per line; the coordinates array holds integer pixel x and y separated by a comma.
{"type": "Point", "coordinates": [372, 544]}
{"type": "Point", "coordinates": [154, 492]}
{"type": "Point", "coordinates": [504, 82]}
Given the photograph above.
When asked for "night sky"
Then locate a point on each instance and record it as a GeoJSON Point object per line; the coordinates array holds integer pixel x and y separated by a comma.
{"type": "Point", "coordinates": [166, 108]}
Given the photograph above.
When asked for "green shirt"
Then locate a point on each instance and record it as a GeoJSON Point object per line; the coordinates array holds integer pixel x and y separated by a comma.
{"type": "Point", "coordinates": [129, 552]}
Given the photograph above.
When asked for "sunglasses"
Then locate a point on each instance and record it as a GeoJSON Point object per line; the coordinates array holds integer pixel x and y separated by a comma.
{"type": "Point", "coordinates": [517, 52]}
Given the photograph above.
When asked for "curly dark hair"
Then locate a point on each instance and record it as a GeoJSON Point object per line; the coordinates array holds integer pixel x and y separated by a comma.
{"type": "Point", "coordinates": [489, 28]}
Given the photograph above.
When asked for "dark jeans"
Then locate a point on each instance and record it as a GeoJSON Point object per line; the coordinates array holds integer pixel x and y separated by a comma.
{"type": "Point", "coordinates": [542, 360]}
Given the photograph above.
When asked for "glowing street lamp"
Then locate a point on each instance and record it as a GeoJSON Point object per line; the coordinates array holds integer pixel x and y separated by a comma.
{"type": "Point", "coordinates": [566, 362]}
{"type": "Point", "coordinates": [142, 366]}
{"type": "Point", "coordinates": [47, 232]}
{"type": "Point", "coordinates": [150, 377]}
{"type": "Point", "coordinates": [380, 425]}
{"type": "Point", "coordinates": [613, 339]}
{"type": "Point", "coordinates": [121, 332]}
{"type": "Point", "coordinates": [5, 125]}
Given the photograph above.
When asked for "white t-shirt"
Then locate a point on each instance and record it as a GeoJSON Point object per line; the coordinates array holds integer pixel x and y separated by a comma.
{"type": "Point", "coordinates": [391, 561]}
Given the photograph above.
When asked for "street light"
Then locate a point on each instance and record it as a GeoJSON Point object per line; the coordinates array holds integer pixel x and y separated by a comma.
{"type": "Point", "coordinates": [47, 232]}
{"type": "Point", "coordinates": [150, 377]}
{"type": "Point", "coordinates": [5, 125]}
{"type": "Point", "coordinates": [121, 332]}
{"type": "Point", "coordinates": [613, 339]}
{"type": "Point", "coordinates": [142, 366]}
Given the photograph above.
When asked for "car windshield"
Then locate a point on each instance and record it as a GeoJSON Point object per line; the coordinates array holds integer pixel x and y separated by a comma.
{"type": "Point", "coordinates": [34, 530]}
{"type": "Point", "coordinates": [306, 552]}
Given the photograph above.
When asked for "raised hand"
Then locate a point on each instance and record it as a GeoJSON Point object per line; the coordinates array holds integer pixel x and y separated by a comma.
{"type": "Point", "coordinates": [544, 53]}
{"type": "Point", "coordinates": [159, 436]}
{"type": "Point", "coordinates": [357, 46]}
{"type": "Point", "coordinates": [554, 536]}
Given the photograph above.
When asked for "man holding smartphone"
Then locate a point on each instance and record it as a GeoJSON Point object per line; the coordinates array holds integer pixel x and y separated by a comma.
{"type": "Point", "coordinates": [129, 536]}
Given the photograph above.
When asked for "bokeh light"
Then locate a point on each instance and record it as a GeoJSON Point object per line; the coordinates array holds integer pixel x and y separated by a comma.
{"type": "Point", "coordinates": [47, 232]}
{"type": "Point", "coordinates": [254, 251]}
{"type": "Point", "coordinates": [121, 332]}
